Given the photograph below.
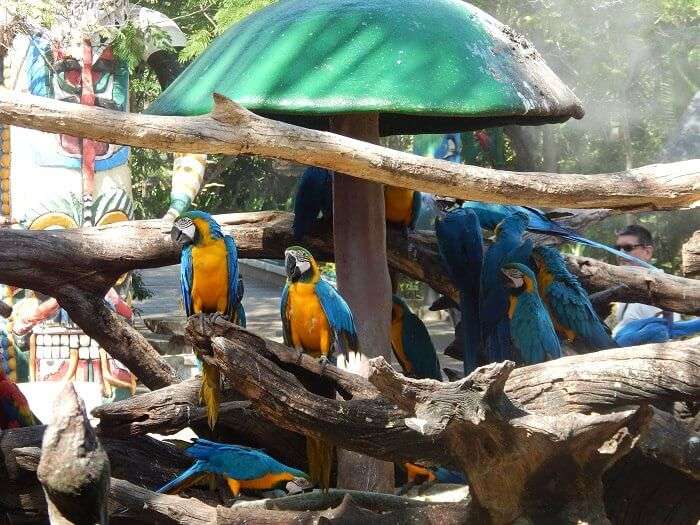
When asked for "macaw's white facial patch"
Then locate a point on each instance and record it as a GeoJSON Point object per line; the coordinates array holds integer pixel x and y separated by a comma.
{"type": "Point", "coordinates": [303, 266]}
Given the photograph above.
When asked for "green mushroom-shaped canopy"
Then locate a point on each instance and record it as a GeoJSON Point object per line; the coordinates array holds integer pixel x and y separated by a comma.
{"type": "Point", "coordinates": [423, 65]}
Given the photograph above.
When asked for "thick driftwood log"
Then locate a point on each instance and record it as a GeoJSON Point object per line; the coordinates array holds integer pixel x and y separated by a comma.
{"type": "Point", "coordinates": [170, 409]}
{"type": "Point", "coordinates": [92, 259]}
{"type": "Point", "coordinates": [691, 256]}
{"type": "Point", "coordinates": [232, 130]}
{"type": "Point", "coordinates": [74, 468]}
{"type": "Point", "coordinates": [640, 490]}
{"type": "Point", "coordinates": [511, 453]}
{"type": "Point", "coordinates": [141, 460]}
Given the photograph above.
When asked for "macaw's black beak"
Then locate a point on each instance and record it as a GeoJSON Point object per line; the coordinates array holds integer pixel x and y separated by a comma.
{"type": "Point", "coordinates": [179, 237]}
{"type": "Point", "coordinates": [290, 266]}
{"type": "Point", "coordinates": [512, 279]}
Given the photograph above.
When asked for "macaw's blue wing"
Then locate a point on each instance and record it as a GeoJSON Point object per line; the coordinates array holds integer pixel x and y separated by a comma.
{"type": "Point", "coordinates": [532, 330]}
{"type": "Point", "coordinates": [573, 311]}
{"type": "Point", "coordinates": [491, 214]}
{"type": "Point", "coordinates": [234, 283]}
{"type": "Point", "coordinates": [314, 197]}
{"type": "Point", "coordinates": [286, 325]}
{"type": "Point", "coordinates": [644, 331]}
{"type": "Point", "coordinates": [339, 317]}
{"type": "Point", "coordinates": [415, 209]}
{"type": "Point", "coordinates": [237, 462]}
{"type": "Point", "coordinates": [186, 273]}
{"type": "Point", "coordinates": [419, 348]}
{"type": "Point", "coordinates": [461, 248]}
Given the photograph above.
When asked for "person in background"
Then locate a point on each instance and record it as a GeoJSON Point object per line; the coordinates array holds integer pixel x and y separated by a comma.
{"type": "Point", "coordinates": [636, 240]}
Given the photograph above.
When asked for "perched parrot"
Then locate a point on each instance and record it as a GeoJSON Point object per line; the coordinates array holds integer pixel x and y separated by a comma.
{"type": "Point", "coordinates": [655, 330]}
{"type": "Point", "coordinates": [569, 307]}
{"type": "Point", "coordinates": [530, 326]}
{"type": "Point", "coordinates": [461, 248]}
{"type": "Point", "coordinates": [244, 468]}
{"type": "Point", "coordinates": [14, 409]}
{"type": "Point", "coordinates": [210, 284]}
{"type": "Point", "coordinates": [314, 197]}
{"type": "Point", "coordinates": [418, 474]}
{"type": "Point", "coordinates": [539, 222]}
{"type": "Point", "coordinates": [508, 247]}
{"type": "Point", "coordinates": [411, 343]}
{"type": "Point", "coordinates": [316, 320]}
{"type": "Point", "coordinates": [402, 206]}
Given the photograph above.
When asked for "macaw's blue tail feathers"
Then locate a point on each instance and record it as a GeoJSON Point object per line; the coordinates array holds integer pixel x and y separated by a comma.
{"type": "Point", "coordinates": [319, 454]}
{"type": "Point", "coordinates": [210, 392]}
{"type": "Point", "coordinates": [685, 328]}
{"type": "Point", "coordinates": [189, 477]}
{"type": "Point", "coordinates": [461, 248]}
{"type": "Point", "coordinates": [314, 197]}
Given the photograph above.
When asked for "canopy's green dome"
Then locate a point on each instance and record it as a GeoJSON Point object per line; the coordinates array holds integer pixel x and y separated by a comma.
{"type": "Point", "coordinates": [424, 65]}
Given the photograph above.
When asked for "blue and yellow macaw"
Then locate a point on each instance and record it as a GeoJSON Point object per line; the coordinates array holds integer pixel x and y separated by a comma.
{"type": "Point", "coordinates": [571, 311]}
{"type": "Point", "coordinates": [314, 197]}
{"type": "Point", "coordinates": [655, 330]}
{"type": "Point", "coordinates": [461, 248]}
{"type": "Point", "coordinates": [243, 468]}
{"type": "Point", "coordinates": [402, 206]}
{"type": "Point", "coordinates": [418, 474]}
{"type": "Point", "coordinates": [539, 222]}
{"type": "Point", "coordinates": [531, 328]}
{"type": "Point", "coordinates": [507, 247]}
{"type": "Point", "coordinates": [411, 343]}
{"type": "Point", "coordinates": [317, 320]}
{"type": "Point", "coordinates": [210, 284]}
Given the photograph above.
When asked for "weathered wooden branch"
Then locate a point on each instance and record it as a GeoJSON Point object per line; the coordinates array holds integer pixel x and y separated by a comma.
{"type": "Point", "coordinates": [74, 469]}
{"type": "Point", "coordinates": [170, 409]}
{"type": "Point", "coordinates": [232, 130]}
{"type": "Point", "coordinates": [92, 259]}
{"type": "Point", "coordinates": [510, 452]}
{"type": "Point", "coordinates": [691, 256]}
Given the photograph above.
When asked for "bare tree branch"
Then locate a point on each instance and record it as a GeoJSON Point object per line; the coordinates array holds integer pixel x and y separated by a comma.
{"type": "Point", "coordinates": [231, 129]}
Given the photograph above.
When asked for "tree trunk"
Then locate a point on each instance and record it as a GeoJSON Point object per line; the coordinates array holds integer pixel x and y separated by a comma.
{"type": "Point", "coordinates": [359, 242]}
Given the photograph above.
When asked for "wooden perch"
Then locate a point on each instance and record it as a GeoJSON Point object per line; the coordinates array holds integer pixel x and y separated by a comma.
{"type": "Point", "coordinates": [233, 130]}
{"type": "Point", "coordinates": [74, 468]}
{"type": "Point", "coordinates": [170, 409]}
{"type": "Point", "coordinates": [510, 451]}
{"type": "Point", "coordinates": [92, 259]}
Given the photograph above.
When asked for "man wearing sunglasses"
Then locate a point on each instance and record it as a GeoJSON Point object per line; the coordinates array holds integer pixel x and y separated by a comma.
{"type": "Point", "coordinates": [636, 240]}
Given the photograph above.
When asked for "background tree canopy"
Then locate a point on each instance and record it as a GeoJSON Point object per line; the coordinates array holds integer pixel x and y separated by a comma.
{"type": "Point", "coordinates": [634, 64]}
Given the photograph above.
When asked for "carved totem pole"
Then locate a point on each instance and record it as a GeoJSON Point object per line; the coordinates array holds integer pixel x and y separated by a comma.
{"type": "Point", "coordinates": [52, 181]}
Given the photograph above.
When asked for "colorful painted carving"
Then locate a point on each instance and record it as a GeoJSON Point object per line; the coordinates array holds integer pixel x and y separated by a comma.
{"type": "Point", "coordinates": [50, 181]}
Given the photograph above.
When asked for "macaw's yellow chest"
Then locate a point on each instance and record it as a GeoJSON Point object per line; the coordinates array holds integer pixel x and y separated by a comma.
{"type": "Point", "coordinates": [399, 205]}
{"type": "Point", "coordinates": [266, 482]}
{"type": "Point", "coordinates": [210, 277]}
{"type": "Point", "coordinates": [309, 326]}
